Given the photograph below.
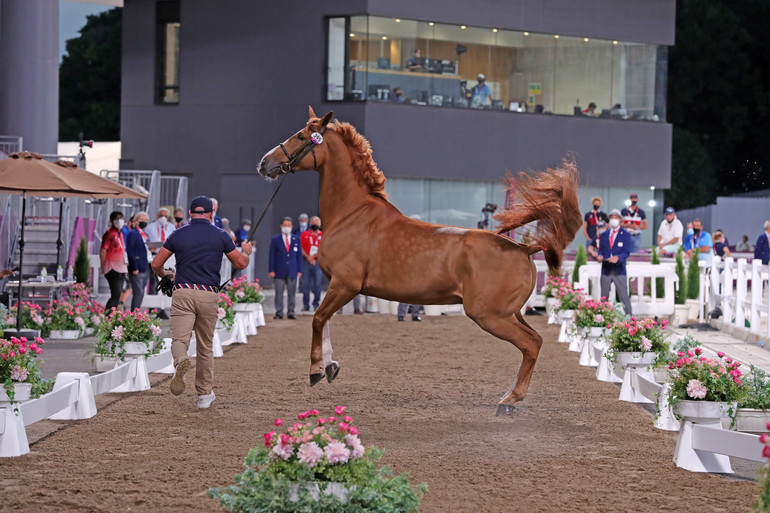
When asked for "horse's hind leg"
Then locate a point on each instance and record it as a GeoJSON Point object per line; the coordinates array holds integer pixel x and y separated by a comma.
{"type": "Point", "coordinates": [511, 327]}
{"type": "Point", "coordinates": [321, 363]}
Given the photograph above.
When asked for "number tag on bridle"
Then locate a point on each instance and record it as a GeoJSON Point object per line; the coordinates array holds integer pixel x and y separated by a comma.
{"type": "Point", "coordinates": [317, 137]}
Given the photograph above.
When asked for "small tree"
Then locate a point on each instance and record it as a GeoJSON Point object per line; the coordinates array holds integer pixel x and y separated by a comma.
{"type": "Point", "coordinates": [693, 278]}
{"type": "Point", "coordinates": [580, 260]}
{"type": "Point", "coordinates": [659, 287]}
{"type": "Point", "coordinates": [681, 293]}
{"type": "Point", "coordinates": [82, 268]}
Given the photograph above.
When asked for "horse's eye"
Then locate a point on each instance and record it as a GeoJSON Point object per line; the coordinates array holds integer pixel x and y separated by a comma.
{"type": "Point", "coordinates": [299, 136]}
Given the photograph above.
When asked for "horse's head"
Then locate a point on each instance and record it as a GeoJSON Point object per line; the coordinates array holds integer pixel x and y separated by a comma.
{"type": "Point", "coordinates": [302, 151]}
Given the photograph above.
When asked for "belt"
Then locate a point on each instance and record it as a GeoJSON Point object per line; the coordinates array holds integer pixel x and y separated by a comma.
{"type": "Point", "coordinates": [195, 286]}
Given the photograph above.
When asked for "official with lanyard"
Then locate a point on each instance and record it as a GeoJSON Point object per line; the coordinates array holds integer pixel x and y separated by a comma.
{"type": "Point", "coordinates": [198, 248]}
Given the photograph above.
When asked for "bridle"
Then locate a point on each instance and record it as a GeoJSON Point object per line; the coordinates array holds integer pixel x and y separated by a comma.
{"type": "Point", "coordinates": [315, 139]}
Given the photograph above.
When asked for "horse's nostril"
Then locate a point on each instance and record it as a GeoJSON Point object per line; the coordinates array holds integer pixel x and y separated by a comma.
{"type": "Point", "coordinates": [262, 163]}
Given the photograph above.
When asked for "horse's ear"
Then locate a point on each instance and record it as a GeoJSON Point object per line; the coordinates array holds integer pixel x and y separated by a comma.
{"type": "Point", "coordinates": [325, 120]}
{"type": "Point", "coordinates": [311, 112]}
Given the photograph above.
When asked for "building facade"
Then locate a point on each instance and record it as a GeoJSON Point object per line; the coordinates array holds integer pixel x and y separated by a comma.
{"type": "Point", "coordinates": [208, 88]}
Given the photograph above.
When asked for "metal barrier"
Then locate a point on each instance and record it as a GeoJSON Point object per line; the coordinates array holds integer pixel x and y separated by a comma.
{"type": "Point", "coordinates": [11, 144]}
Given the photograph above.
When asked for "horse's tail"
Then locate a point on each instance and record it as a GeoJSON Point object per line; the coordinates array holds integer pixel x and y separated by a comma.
{"type": "Point", "coordinates": [550, 198]}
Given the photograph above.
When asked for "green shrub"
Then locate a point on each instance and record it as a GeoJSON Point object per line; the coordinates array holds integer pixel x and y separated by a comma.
{"type": "Point", "coordinates": [580, 260]}
{"type": "Point", "coordinates": [681, 292]}
{"type": "Point", "coordinates": [659, 287]}
{"type": "Point", "coordinates": [693, 278]}
{"type": "Point", "coordinates": [758, 382]}
{"type": "Point", "coordinates": [82, 268]}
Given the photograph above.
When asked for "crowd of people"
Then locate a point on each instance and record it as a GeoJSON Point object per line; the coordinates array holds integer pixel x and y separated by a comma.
{"type": "Point", "coordinates": [610, 239]}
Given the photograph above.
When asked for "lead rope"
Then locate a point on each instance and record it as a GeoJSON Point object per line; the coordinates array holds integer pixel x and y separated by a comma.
{"type": "Point", "coordinates": [254, 229]}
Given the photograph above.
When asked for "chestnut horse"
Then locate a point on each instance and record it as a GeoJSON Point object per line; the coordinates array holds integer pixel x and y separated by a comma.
{"type": "Point", "coordinates": [371, 248]}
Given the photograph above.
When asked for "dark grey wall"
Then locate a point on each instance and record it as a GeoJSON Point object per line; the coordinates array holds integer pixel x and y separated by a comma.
{"type": "Point", "coordinates": [249, 69]}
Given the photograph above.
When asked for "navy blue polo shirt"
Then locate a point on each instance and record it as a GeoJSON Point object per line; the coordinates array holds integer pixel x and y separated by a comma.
{"type": "Point", "coordinates": [198, 247]}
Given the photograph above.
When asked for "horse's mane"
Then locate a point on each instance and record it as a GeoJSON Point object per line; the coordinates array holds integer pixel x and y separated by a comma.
{"type": "Point", "coordinates": [361, 151]}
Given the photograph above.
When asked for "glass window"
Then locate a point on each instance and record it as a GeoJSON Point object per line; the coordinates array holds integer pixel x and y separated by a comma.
{"type": "Point", "coordinates": [448, 65]}
{"type": "Point", "coordinates": [167, 76]}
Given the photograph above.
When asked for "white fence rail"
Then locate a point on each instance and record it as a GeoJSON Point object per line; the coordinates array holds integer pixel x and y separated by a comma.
{"type": "Point", "coordinates": [741, 290]}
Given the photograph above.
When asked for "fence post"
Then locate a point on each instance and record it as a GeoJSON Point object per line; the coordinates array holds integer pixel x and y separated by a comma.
{"type": "Point", "coordinates": [727, 290]}
{"type": "Point", "coordinates": [85, 407]}
{"type": "Point", "coordinates": [740, 293]}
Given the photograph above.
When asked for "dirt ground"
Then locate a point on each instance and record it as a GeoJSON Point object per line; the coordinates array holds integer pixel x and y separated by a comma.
{"type": "Point", "coordinates": [425, 392]}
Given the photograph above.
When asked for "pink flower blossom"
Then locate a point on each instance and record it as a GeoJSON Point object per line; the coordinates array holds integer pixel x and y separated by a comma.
{"type": "Point", "coordinates": [736, 373]}
{"type": "Point", "coordinates": [310, 454]}
{"type": "Point", "coordinates": [221, 313]}
{"type": "Point", "coordinates": [19, 373]}
{"type": "Point", "coordinates": [696, 389]}
{"type": "Point", "coordinates": [645, 344]}
{"type": "Point", "coordinates": [698, 351]}
{"type": "Point", "coordinates": [737, 381]}
{"type": "Point", "coordinates": [348, 419]}
{"type": "Point", "coordinates": [343, 427]}
{"type": "Point", "coordinates": [766, 451]}
{"type": "Point", "coordinates": [763, 438]}
{"type": "Point", "coordinates": [356, 446]}
{"type": "Point", "coordinates": [117, 333]}
{"type": "Point", "coordinates": [720, 354]}
{"type": "Point", "coordinates": [690, 354]}
{"type": "Point", "coordinates": [269, 438]}
{"type": "Point", "coordinates": [155, 330]}
{"type": "Point", "coordinates": [337, 452]}
{"type": "Point", "coordinates": [278, 422]}
{"type": "Point", "coordinates": [339, 410]}
{"type": "Point", "coordinates": [283, 451]}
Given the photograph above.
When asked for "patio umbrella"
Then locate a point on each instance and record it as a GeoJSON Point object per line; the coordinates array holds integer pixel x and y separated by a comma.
{"type": "Point", "coordinates": [28, 173]}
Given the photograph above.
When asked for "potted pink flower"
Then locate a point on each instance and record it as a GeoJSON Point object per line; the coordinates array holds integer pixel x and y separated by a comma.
{"type": "Point", "coordinates": [637, 341]}
{"type": "Point", "coordinates": [19, 375]}
{"type": "Point", "coordinates": [127, 334]}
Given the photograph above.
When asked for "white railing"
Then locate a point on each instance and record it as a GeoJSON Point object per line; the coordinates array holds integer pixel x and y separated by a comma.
{"type": "Point", "coordinates": [741, 290]}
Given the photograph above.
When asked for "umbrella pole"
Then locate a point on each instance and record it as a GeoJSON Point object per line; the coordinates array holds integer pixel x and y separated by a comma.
{"type": "Point", "coordinates": [21, 261]}
{"type": "Point", "coordinates": [58, 240]}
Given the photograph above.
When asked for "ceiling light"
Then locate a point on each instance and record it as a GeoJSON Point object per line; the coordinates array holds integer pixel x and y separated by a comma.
{"type": "Point", "coordinates": [352, 35]}
{"type": "Point", "coordinates": [614, 42]}
{"type": "Point", "coordinates": [556, 36]}
{"type": "Point", "coordinates": [494, 30]}
{"type": "Point", "coordinates": [652, 187]}
{"type": "Point", "coordinates": [463, 27]}
{"type": "Point", "coordinates": [398, 20]}
{"type": "Point", "coordinates": [585, 39]}
{"type": "Point", "coordinates": [628, 202]}
{"type": "Point", "coordinates": [651, 203]}
{"type": "Point", "coordinates": [384, 38]}
{"type": "Point", "coordinates": [430, 23]}
{"type": "Point", "coordinates": [526, 33]}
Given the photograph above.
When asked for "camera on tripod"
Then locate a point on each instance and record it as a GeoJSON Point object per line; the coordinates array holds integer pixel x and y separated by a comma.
{"type": "Point", "coordinates": [487, 209]}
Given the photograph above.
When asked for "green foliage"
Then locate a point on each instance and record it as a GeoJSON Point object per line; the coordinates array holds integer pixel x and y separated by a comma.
{"type": "Point", "coordinates": [580, 260]}
{"type": "Point", "coordinates": [82, 268]}
{"type": "Point", "coordinates": [659, 287]}
{"type": "Point", "coordinates": [89, 80]}
{"type": "Point", "coordinates": [595, 314]}
{"type": "Point", "coordinates": [681, 292]}
{"type": "Point", "coordinates": [693, 278]}
{"type": "Point", "coordinates": [758, 384]}
{"type": "Point", "coordinates": [763, 486]}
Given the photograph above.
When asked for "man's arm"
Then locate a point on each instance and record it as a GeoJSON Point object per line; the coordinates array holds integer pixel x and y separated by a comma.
{"type": "Point", "coordinates": [159, 260]}
{"type": "Point", "coordinates": [241, 260]}
{"type": "Point", "coordinates": [585, 230]}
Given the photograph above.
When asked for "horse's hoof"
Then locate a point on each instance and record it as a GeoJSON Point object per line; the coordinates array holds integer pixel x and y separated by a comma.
{"type": "Point", "coordinates": [315, 378]}
{"type": "Point", "coordinates": [504, 409]}
{"type": "Point", "coordinates": [331, 371]}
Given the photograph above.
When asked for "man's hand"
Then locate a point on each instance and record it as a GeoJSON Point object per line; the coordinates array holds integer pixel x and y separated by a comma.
{"type": "Point", "coordinates": [247, 248]}
{"type": "Point", "coordinates": [135, 272]}
{"type": "Point", "coordinates": [613, 259]}
{"type": "Point", "coordinates": [272, 275]}
{"type": "Point", "coordinates": [299, 274]}
{"type": "Point", "coordinates": [600, 258]}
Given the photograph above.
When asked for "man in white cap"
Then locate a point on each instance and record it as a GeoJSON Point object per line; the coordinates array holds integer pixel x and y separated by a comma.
{"type": "Point", "coordinates": [614, 250]}
{"type": "Point", "coordinates": [481, 95]}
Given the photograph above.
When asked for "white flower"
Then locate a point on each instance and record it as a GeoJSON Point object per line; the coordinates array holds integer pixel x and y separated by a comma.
{"type": "Point", "coordinates": [96, 320]}
{"type": "Point", "coordinates": [356, 445]}
{"type": "Point", "coordinates": [240, 293]}
{"type": "Point", "coordinates": [117, 333]}
{"type": "Point", "coordinates": [19, 374]}
{"type": "Point", "coordinates": [283, 451]}
{"type": "Point", "coordinates": [310, 454]}
{"type": "Point", "coordinates": [221, 313]}
{"type": "Point", "coordinates": [696, 389]}
{"type": "Point", "coordinates": [155, 330]}
{"type": "Point", "coordinates": [645, 343]}
{"type": "Point", "coordinates": [80, 322]}
{"type": "Point", "coordinates": [337, 452]}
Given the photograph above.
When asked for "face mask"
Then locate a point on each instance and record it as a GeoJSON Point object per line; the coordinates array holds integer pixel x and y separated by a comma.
{"type": "Point", "coordinates": [633, 203]}
{"type": "Point", "coordinates": [286, 230]}
{"type": "Point", "coordinates": [247, 227]}
{"type": "Point", "coordinates": [142, 224]}
{"type": "Point", "coordinates": [597, 207]}
{"type": "Point", "coordinates": [696, 231]}
{"type": "Point", "coordinates": [690, 231]}
{"type": "Point", "coordinates": [303, 226]}
{"type": "Point", "coordinates": [163, 220]}
{"type": "Point", "coordinates": [179, 219]}
{"type": "Point", "coordinates": [614, 222]}
{"type": "Point", "coordinates": [315, 227]}
{"type": "Point", "coordinates": [118, 223]}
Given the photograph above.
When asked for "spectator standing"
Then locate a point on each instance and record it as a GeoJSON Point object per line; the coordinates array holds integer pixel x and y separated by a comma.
{"type": "Point", "coordinates": [198, 248]}
{"type": "Point", "coordinates": [404, 307]}
{"type": "Point", "coordinates": [127, 291]}
{"type": "Point", "coordinates": [670, 233]}
{"type": "Point", "coordinates": [226, 228]}
{"type": "Point", "coordinates": [138, 259]}
{"type": "Point", "coordinates": [242, 234]}
{"type": "Point", "coordinates": [720, 244]}
{"type": "Point", "coordinates": [414, 62]}
{"type": "Point", "coordinates": [311, 272]}
{"type": "Point", "coordinates": [481, 95]}
{"type": "Point", "coordinates": [157, 233]}
{"type": "Point", "coordinates": [634, 221]}
{"type": "Point", "coordinates": [593, 221]}
{"type": "Point", "coordinates": [216, 221]}
{"type": "Point", "coordinates": [699, 243]}
{"type": "Point", "coordinates": [178, 217]}
{"type": "Point", "coordinates": [302, 225]}
{"type": "Point", "coordinates": [614, 250]}
{"type": "Point", "coordinates": [284, 266]}
{"type": "Point", "coordinates": [744, 246]}
{"type": "Point", "coordinates": [113, 259]}
{"type": "Point", "coordinates": [762, 246]}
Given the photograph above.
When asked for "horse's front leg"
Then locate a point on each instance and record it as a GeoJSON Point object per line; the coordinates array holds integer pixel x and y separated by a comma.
{"type": "Point", "coordinates": [321, 363]}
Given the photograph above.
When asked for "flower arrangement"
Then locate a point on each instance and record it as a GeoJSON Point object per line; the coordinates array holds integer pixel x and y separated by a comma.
{"type": "Point", "coordinates": [594, 314]}
{"type": "Point", "coordinates": [551, 283]}
{"type": "Point", "coordinates": [18, 364]}
{"type": "Point", "coordinates": [225, 313]}
{"type": "Point", "coordinates": [4, 321]}
{"type": "Point", "coordinates": [317, 450]}
{"type": "Point", "coordinates": [637, 335]}
{"type": "Point", "coordinates": [63, 315]}
{"type": "Point", "coordinates": [91, 310]}
{"type": "Point", "coordinates": [763, 502]}
{"type": "Point", "coordinates": [121, 327]}
{"type": "Point", "coordinates": [699, 378]}
{"type": "Point", "coordinates": [241, 290]}
{"type": "Point", "coordinates": [32, 317]}
{"type": "Point", "coordinates": [569, 298]}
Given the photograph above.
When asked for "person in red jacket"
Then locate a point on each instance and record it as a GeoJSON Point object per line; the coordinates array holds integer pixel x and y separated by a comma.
{"type": "Point", "coordinates": [310, 241]}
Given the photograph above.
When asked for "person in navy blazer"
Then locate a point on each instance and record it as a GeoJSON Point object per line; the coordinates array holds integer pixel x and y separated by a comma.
{"type": "Point", "coordinates": [285, 267]}
{"type": "Point", "coordinates": [614, 250]}
{"type": "Point", "coordinates": [762, 247]}
{"type": "Point", "coordinates": [137, 259]}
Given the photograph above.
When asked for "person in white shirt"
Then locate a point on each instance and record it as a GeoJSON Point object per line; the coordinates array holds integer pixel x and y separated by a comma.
{"type": "Point", "coordinates": [670, 233]}
{"type": "Point", "coordinates": [157, 231]}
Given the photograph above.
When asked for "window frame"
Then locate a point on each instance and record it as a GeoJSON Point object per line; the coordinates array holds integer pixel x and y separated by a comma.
{"type": "Point", "coordinates": [166, 12]}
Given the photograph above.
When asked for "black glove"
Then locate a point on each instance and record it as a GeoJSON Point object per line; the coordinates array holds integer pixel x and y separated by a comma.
{"type": "Point", "coordinates": [166, 285]}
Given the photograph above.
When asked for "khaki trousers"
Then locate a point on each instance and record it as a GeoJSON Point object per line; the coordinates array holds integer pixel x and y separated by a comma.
{"type": "Point", "coordinates": [193, 309]}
